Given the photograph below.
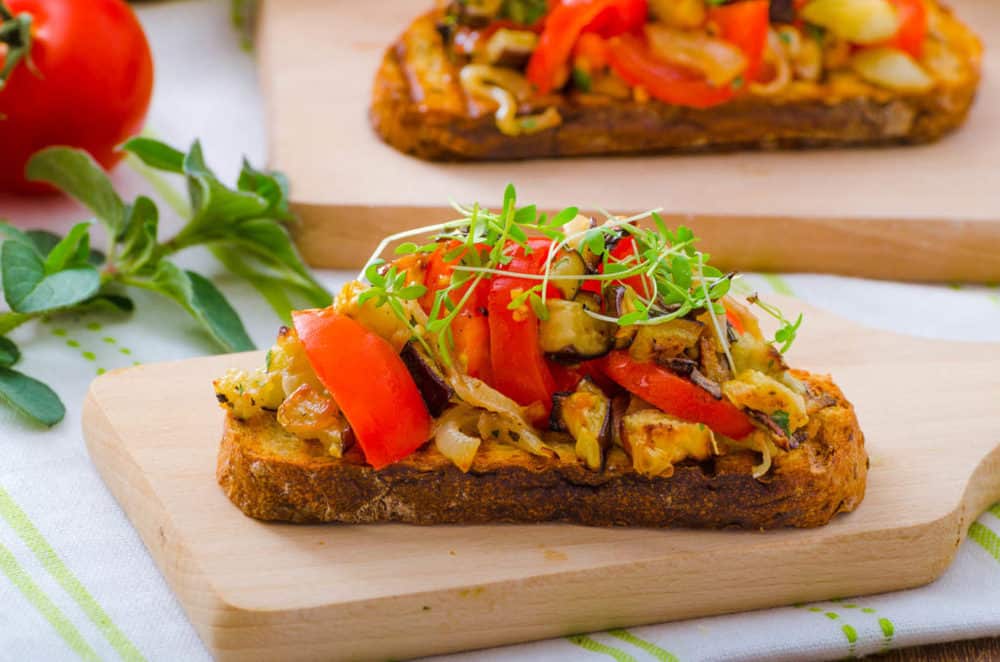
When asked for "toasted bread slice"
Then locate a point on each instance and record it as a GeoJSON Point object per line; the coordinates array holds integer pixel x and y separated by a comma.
{"type": "Point", "coordinates": [419, 107]}
{"type": "Point", "coordinates": [272, 475]}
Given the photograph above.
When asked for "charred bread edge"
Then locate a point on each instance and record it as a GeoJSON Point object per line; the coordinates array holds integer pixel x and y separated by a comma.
{"type": "Point", "coordinates": [806, 487]}
{"type": "Point", "coordinates": [625, 127]}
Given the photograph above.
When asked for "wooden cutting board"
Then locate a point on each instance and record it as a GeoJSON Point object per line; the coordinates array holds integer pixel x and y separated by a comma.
{"type": "Point", "coordinates": [917, 213]}
{"type": "Point", "coordinates": [930, 412]}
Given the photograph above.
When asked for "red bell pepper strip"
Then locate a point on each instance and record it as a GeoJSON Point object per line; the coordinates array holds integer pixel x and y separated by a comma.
{"type": "Point", "coordinates": [592, 48]}
{"type": "Point", "coordinates": [369, 382]}
{"type": "Point", "coordinates": [632, 60]}
{"type": "Point", "coordinates": [519, 369]}
{"type": "Point", "coordinates": [564, 25]}
{"type": "Point", "coordinates": [676, 395]}
{"type": "Point", "coordinates": [470, 329]}
{"type": "Point", "coordinates": [735, 321]}
{"type": "Point", "coordinates": [623, 250]}
{"type": "Point", "coordinates": [439, 275]}
{"type": "Point", "coordinates": [471, 333]}
{"type": "Point", "coordinates": [745, 25]}
{"type": "Point", "coordinates": [913, 26]}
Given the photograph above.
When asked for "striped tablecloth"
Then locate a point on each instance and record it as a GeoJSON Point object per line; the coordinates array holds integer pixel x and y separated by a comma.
{"type": "Point", "coordinates": [76, 581]}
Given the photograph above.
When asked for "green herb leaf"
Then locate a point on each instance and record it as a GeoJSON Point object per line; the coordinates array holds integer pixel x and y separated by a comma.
{"type": "Point", "coordinates": [781, 419]}
{"type": "Point", "coordinates": [29, 289]}
{"type": "Point", "coordinates": [138, 241]}
{"type": "Point", "coordinates": [30, 397]}
{"type": "Point", "coordinates": [215, 207]}
{"type": "Point", "coordinates": [204, 302]}
{"type": "Point", "coordinates": [116, 303]}
{"type": "Point", "coordinates": [76, 173]}
{"type": "Point", "coordinates": [72, 251]}
{"type": "Point", "coordinates": [9, 353]}
{"type": "Point", "coordinates": [582, 80]}
{"type": "Point", "coordinates": [156, 154]}
{"type": "Point", "coordinates": [527, 12]}
{"type": "Point", "coordinates": [272, 186]}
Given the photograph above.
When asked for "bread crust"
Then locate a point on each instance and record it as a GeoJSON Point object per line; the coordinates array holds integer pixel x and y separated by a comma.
{"type": "Point", "coordinates": [271, 475]}
{"type": "Point", "coordinates": [807, 117]}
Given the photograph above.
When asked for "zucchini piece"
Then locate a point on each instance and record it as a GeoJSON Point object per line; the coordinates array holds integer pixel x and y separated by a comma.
{"type": "Point", "coordinates": [586, 415]}
{"type": "Point", "coordinates": [571, 334]}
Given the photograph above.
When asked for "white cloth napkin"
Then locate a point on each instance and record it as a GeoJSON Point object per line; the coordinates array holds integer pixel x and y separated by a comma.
{"type": "Point", "coordinates": [76, 581]}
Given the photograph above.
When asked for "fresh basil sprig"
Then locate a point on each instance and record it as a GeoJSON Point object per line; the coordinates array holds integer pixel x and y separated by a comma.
{"type": "Point", "coordinates": [245, 227]}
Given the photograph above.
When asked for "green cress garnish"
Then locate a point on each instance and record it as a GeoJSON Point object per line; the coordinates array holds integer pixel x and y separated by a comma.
{"type": "Point", "coordinates": [681, 278]}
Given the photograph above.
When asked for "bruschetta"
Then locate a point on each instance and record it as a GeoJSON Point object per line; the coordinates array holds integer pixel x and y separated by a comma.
{"type": "Point", "coordinates": [520, 79]}
{"type": "Point", "coordinates": [512, 367]}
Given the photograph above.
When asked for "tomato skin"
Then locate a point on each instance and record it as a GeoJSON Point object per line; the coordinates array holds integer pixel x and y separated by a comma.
{"type": "Point", "coordinates": [93, 91]}
{"type": "Point", "coordinates": [735, 321]}
{"type": "Point", "coordinates": [471, 333]}
{"type": "Point", "coordinates": [676, 395]}
{"type": "Point", "coordinates": [519, 368]}
{"type": "Point", "coordinates": [567, 21]}
{"type": "Point", "coordinates": [632, 60]}
{"type": "Point", "coordinates": [439, 273]}
{"type": "Point", "coordinates": [913, 26]}
{"type": "Point", "coordinates": [387, 413]}
{"type": "Point", "coordinates": [745, 24]}
{"type": "Point", "coordinates": [625, 248]}
{"type": "Point", "coordinates": [592, 48]}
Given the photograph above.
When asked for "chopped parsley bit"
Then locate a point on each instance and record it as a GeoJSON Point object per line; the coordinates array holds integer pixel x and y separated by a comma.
{"type": "Point", "coordinates": [781, 419]}
{"type": "Point", "coordinates": [582, 79]}
{"type": "Point", "coordinates": [738, 82]}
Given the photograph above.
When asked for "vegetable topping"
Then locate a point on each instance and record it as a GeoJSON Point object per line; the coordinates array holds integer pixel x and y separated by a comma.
{"type": "Point", "coordinates": [558, 336]}
{"type": "Point", "coordinates": [515, 54]}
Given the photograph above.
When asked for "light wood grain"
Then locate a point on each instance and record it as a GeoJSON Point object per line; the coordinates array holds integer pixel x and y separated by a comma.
{"type": "Point", "coordinates": [269, 591]}
{"type": "Point", "coordinates": [917, 213]}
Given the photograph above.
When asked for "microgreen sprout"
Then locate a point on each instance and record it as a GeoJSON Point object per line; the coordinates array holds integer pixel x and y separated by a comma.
{"type": "Point", "coordinates": [787, 331]}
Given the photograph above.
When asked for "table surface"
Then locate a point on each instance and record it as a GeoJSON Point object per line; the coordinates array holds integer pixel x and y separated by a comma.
{"type": "Point", "coordinates": [974, 650]}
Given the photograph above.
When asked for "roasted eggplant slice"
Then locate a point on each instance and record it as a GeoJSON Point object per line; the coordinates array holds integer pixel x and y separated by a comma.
{"type": "Point", "coordinates": [590, 300]}
{"type": "Point", "coordinates": [663, 341]}
{"type": "Point", "coordinates": [569, 263]}
{"type": "Point", "coordinates": [430, 381]}
{"type": "Point", "coordinates": [571, 334]}
{"type": "Point", "coordinates": [586, 415]}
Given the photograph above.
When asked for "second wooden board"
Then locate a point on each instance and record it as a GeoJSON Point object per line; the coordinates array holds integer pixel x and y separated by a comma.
{"type": "Point", "coordinates": [917, 213]}
{"type": "Point", "coordinates": [259, 591]}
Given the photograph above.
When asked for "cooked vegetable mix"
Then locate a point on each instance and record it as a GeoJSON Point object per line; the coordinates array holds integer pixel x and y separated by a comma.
{"type": "Point", "coordinates": [608, 77]}
{"type": "Point", "coordinates": [538, 332]}
{"type": "Point", "coordinates": [697, 53]}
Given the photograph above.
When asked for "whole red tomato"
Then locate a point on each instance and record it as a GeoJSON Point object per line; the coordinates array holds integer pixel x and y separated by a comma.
{"type": "Point", "coordinates": [86, 82]}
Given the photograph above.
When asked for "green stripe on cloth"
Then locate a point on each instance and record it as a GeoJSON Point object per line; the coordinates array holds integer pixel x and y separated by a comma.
{"type": "Point", "coordinates": [852, 640]}
{"type": "Point", "coordinates": [40, 547]}
{"type": "Point", "coordinates": [586, 643]}
{"type": "Point", "coordinates": [986, 539]}
{"type": "Point", "coordinates": [62, 625]}
{"type": "Point", "coordinates": [659, 653]}
{"type": "Point", "coordinates": [778, 284]}
{"type": "Point", "coordinates": [995, 510]}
